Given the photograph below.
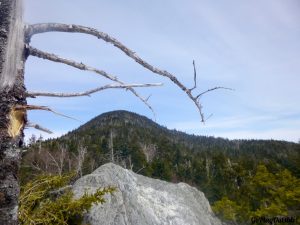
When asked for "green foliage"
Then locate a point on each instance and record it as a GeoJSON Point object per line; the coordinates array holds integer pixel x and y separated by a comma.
{"type": "Point", "coordinates": [161, 170]}
{"type": "Point", "coordinates": [227, 209]}
{"type": "Point", "coordinates": [39, 203]}
{"type": "Point", "coordinates": [261, 177]}
{"type": "Point", "coordinates": [268, 195]}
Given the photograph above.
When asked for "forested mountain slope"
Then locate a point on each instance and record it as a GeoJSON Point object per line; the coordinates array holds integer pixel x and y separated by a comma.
{"type": "Point", "coordinates": [242, 174]}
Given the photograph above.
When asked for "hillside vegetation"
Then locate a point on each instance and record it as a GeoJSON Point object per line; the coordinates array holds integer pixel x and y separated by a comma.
{"type": "Point", "coordinates": [241, 178]}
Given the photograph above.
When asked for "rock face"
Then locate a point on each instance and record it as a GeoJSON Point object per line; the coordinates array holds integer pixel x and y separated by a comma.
{"type": "Point", "coordinates": [141, 200]}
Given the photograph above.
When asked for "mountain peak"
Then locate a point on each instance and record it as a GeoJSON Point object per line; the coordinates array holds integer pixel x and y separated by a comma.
{"type": "Point", "coordinates": [119, 118]}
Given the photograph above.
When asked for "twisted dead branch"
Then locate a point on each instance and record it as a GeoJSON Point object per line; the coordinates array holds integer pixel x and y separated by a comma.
{"type": "Point", "coordinates": [52, 57]}
{"type": "Point", "coordinates": [92, 91]}
{"type": "Point", "coordinates": [56, 27]}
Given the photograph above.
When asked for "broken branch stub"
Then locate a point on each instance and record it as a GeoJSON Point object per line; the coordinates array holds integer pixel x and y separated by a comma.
{"type": "Point", "coordinates": [36, 107]}
{"type": "Point", "coordinates": [38, 127]}
{"type": "Point", "coordinates": [17, 120]}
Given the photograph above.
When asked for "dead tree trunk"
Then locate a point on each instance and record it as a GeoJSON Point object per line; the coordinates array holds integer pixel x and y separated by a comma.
{"type": "Point", "coordinates": [12, 96]}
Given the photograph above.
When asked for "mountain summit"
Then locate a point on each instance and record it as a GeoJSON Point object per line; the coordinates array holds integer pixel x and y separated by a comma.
{"type": "Point", "coordinates": [230, 173]}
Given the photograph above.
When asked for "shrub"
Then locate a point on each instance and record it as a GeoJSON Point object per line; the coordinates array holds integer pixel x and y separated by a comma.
{"type": "Point", "coordinates": [42, 202]}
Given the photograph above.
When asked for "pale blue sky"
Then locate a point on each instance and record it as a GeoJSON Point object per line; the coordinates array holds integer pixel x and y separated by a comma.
{"type": "Point", "coordinates": [250, 46]}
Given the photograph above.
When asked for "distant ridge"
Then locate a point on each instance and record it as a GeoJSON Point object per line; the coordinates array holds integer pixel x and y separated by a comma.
{"type": "Point", "coordinates": [118, 117]}
{"type": "Point", "coordinates": [131, 127]}
{"type": "Point", "coordinates": [216, 166]}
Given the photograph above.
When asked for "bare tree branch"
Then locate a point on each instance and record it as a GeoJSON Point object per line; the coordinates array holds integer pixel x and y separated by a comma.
{"type": "Point", "coordinates": [50, 27]}
{"type": "Point", "coordinates": [55, 58]}
{"type": "Point", "coordinates": [57, 27]}
{"type": "Point", "coordinates": [89, 92]}
{"type": "Point", "coordinates": [45, 108]}
{"type": "Point", "coordinates": [208, 117]}
{"type": "Point", "coordinates": [81, 66]}
{"type": "Point", "coordinates": [140, 169]}
{"type": "Point", "coordinates": [55, 162]}
{"type": "Point", "coordinates": [35, 167]}
{"type": "Point", "coordinates": [148, 97]}
{"type": "Point", "coordinates": [38, 127]}
{"type": "Point", "coordinates": [212, 89]}
{"type": "Point", "coordinates": [80, 159]}
{"type": "Point", "coordinates": [195, 77]}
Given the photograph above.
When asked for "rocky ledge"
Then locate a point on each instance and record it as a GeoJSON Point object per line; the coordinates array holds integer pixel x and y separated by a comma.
{"type": "Point", "coordinates": [140, 200]}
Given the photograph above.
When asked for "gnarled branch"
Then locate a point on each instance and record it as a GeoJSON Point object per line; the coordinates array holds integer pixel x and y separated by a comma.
{"type": "Point", "coordinates": [52, 57]}
{"type": "Point", "coordinates": [89, 92]}
{"type": "Point", "coordinates": [50, 27]}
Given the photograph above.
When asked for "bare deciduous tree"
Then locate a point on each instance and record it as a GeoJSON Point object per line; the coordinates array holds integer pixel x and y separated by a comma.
{"type": "Point", "coordinates": [14, 50]}
{"type": "Point", "coordinates": [81, 152]}
{"type": "Point", "coordinates": [111, 146]}
{"type": "Point", "coordinates": [149, 151]}
{"type": "Point", "coordinates": [58, 159]}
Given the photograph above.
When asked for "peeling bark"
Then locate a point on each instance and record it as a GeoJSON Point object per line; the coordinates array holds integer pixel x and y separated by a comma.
{"type": "Point", "coordinates": [12, 93]}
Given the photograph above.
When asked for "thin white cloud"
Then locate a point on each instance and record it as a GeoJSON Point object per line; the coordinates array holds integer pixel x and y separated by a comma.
{"type": "Point", "coordinates": [251, 46]}
{"type": "Point", "coordinates": [284, 134]}
{"type": "Point", "coordinates": [222, 123]}
{"type": "Point", "coordinates": [283, 127]}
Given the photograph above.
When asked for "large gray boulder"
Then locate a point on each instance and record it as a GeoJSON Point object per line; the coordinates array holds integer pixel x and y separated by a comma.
{"type": "Point", "coordinates": [140, 200]}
